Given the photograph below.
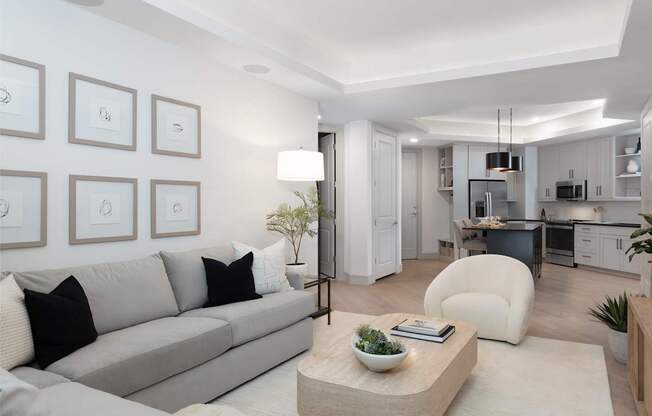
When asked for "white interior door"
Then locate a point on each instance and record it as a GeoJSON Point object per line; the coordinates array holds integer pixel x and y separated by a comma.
{"type": "Point", "coordinates": [385, 204]}
{"type": "Point", "coordinates": [409, 206]}
{"type": "Point", "coordinates": [327, 198]}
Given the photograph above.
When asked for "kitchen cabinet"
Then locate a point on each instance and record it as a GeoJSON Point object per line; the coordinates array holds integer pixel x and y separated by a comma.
{"type": "Point", "coordinates": [478, 163]}
{"type": "Point", "coordinates": [572, 161]}
{"type": "Point", "coordinates": [605, 247]}
{"type": "Point", "coordinates": [548, 168]}
{"type": "Point", "coordinates": [600, 167]}
{"type": "Point", "coordinates": [610, 254]}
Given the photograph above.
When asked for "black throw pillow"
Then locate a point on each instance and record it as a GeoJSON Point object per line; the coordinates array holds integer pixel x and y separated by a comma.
{"type": "Point", "coordinates": [61, 321]}
{"type": "Point", "coordinates": [232, 283]}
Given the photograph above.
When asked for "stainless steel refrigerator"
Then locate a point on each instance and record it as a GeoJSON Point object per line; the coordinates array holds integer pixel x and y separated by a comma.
{"type": "Point", "coordinates": [487, 198]}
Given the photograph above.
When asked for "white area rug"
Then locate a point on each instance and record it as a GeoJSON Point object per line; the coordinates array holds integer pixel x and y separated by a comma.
{"type": "Point", "coordinates": [539, 377]}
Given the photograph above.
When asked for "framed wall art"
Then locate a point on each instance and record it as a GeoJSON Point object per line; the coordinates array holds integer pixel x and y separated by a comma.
{"type": "Point", "coordinates": [175, 208]}
{"type": "Point", "coordinates": [22, 98]}
{"type": "Point", "coordinates": [23, 209]}
{"type": "Point", "coordinates": [102, 209]}
{"type": "Point", "coordinates": [176, 127]}
{"type": "Point", "coordinates": [101, 113]}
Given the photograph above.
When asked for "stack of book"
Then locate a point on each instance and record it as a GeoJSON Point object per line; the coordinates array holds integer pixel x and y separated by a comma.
{"type": "Point", "coordinates": [435, 330]}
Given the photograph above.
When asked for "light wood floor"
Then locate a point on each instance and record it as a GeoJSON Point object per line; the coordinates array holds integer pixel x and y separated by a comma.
{"type": "Point", "coordinates": [561, 301]}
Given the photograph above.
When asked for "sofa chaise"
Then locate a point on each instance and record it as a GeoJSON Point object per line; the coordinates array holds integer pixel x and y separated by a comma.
{"type": "Point", "coordinates": [157, 344]}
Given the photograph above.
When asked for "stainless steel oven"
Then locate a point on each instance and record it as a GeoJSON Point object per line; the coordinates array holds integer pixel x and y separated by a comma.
{"type": "Point", "coordinates": [571, 190]}
{"type": "Point", "coordinates": [560, 245]}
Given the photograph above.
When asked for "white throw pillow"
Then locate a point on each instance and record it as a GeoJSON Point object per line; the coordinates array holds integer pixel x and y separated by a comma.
{"type": "Point", "coordinates": [16, 344]}
{"type": "Point", "coordinates": [268, 267]}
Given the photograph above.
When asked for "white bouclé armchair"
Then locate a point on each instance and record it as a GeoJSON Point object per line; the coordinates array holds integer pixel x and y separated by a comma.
{"type": "Point", "coordinates": [494, 293]}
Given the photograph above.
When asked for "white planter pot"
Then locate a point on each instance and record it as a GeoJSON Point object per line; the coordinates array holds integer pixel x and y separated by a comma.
{"type": "Point", "coordinates": [295, 274]}
{"type": "Point", "coordinates": [618, 345]}
{"type": "Point", "coordinates": [378, 363]}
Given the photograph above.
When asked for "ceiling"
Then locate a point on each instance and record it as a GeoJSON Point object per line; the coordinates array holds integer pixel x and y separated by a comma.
{"type": "Point", "coordinates": [397, 61]}
{"type": "Point", "coordinates": [523, 115]}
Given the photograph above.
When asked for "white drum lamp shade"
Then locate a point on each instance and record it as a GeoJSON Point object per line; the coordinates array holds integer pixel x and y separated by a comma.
{"type": "Point", "coordinates": [300, 165]}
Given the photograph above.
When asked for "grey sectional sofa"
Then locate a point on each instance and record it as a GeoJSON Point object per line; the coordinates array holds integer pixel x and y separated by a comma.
{"type": "Point", "coordinates": [157, 345]}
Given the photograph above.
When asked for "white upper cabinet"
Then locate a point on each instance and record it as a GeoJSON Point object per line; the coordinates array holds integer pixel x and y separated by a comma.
{"type": "Point", "coordinates": [572, 161]}
{"type": "Point", "coordinates": [548, 172]}
{"type": "Point", "coordinates": [600, 163]}
{"type": "Point", "coordinates": [478, 163]}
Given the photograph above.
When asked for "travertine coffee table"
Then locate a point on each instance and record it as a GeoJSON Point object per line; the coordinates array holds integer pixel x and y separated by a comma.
{"type": "Point", "coordinates": [331, 381]}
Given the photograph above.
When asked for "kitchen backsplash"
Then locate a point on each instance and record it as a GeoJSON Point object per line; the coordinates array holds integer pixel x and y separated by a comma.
{"type": "Point", "coordinates": [612, 210]}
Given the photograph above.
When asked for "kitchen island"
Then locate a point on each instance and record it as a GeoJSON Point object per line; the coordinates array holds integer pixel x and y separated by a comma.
{"type": "Point", "coordinates": [522, 241]}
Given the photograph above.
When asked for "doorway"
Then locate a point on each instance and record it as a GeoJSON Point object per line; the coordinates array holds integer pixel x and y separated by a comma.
{"type": "Point", "coordinates": [409, 205]}
{"type": "Point", "coordinates": [385, 203]}
{"type": "Point", "coordinates": [326, 236]}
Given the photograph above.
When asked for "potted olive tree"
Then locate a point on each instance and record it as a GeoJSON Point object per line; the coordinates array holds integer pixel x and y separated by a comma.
{"type": "Point", "coordinates": [294, 223]}
{"type": "Point", "coordinates": [613, 313]}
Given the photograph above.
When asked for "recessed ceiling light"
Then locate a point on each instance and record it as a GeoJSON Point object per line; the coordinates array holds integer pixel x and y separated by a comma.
{"type": "Point", "coordinates": [90, 3]}
{"type": "Point", "coordinates": [536, 119]}
{"type": "Point", "coordinates": [318, 116]}
{"type": "Point", "coordinates": [414, 140]}
{"type": "Point", "coordinates": [256, 69]}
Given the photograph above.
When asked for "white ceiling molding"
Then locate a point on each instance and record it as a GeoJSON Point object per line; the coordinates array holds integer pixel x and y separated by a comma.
{"type": "Point", "coordinates": [391, 61]}
{"type": "Point", "coordinates": [585, 124]}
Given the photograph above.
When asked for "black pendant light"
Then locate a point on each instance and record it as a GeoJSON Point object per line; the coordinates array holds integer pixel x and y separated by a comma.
{"type": "Point", "coordinates": [517, 161]}
{"type": "Point", "coordinates": [499, 160]}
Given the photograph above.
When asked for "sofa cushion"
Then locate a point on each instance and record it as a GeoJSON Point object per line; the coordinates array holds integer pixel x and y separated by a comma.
{"type": "Point", "coordinates": [120, 294]}
{"type": "Point", "coordinates": [16, 344]}
{"type": "Point", "coordinates": [188, 276]}
{"type": "Point", "coordinates": [38, 378]}
{"type": "Point", "coordinates": [74, 399]}
{"type": "Point", "coordinates": [486, 311]}
{"type": "Point", "coordinates": [61, 321]}
{"type": "Point", "coordinates": [230, 283]}
{"type": "Point", "coordinates": [16, 396]}
{"type": "Point", "coordinates": [130, 359]}
{"type": "Point", "coordinates": [256, 318]}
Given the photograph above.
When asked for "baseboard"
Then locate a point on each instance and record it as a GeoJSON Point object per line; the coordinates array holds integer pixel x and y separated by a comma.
{"type": "Point", "coordinates": [626, 275]}
{"type": "Point", "coordinates": [360, 280]}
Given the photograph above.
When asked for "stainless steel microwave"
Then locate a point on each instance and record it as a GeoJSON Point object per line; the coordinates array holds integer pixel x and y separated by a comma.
{"type": "Point", "coordinates": [571, 190]}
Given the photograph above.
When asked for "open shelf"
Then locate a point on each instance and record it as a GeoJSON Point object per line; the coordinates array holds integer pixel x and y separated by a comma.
{"type": "Point", "coordinates": [627, 186]}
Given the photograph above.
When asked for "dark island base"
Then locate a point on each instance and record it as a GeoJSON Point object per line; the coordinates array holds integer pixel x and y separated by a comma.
{"type": "Point", "coordinates": [524, 245]}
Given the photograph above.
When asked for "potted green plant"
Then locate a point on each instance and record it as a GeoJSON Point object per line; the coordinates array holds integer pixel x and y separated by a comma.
{"type": "Point", "coordinates": [294, 223]}
{"type": "Point", "coordinates": [377, 351]}
{"type": "Point", "coordinates": [641, 246]}
{"type": "Point", "coordinates": [613, 313]}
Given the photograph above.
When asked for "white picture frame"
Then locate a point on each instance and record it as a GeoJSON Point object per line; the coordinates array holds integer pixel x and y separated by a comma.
{"type": "Point", "coordinates": [101, 113]}
{"type": "Point", "coordinates": [22, 98]}
{"type": "Point", "coordinates": [176, 127]}
{"type": "Point", "coordinates": [23, 209]}
{"type": "Point", "coordinates": [102, 209]}
{"type": "Point", "coordinates": [175, 208]}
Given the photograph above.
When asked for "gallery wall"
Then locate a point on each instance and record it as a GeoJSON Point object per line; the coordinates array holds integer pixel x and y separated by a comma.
{"type": "Point", "coordinates": [245, 122]}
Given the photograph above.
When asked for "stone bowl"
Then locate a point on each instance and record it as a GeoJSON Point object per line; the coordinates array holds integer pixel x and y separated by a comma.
{"type": "Point", "coordinates": [375, 362]}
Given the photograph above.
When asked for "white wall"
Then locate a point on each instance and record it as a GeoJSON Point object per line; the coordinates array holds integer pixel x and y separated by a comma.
{"type": "Point", "coordinates": [357, 195]}
{"type": "Point", "coordinates": [245, 121]}
{"type": "Point", "coordinates": [646, 186]}
{"type": "Point", "coordinates": [613, 210]}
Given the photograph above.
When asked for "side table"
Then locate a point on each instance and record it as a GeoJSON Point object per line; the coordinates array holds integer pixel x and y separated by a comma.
{"type": "Point", "coordinates": [311, 281]}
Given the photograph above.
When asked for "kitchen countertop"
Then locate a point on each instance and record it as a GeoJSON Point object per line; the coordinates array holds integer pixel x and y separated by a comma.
{"type": "Point", "coordinates": [609, 224]}
{"type": "Point", "coordinates": [507, 227]}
